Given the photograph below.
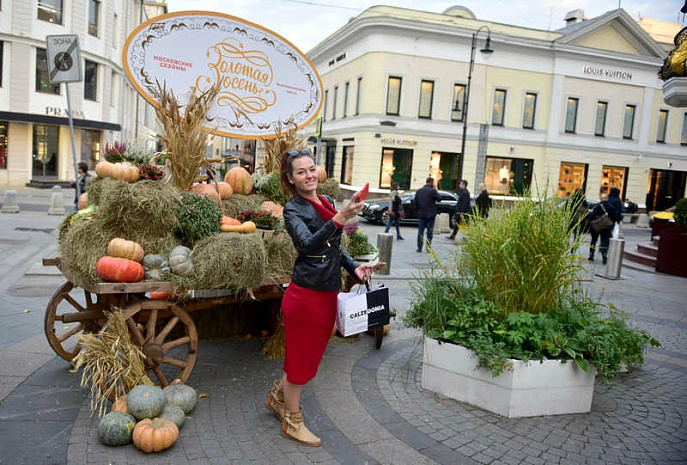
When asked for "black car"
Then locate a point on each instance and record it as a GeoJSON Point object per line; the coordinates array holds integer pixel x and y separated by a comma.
{"type": "Point", "coordinates": [376, 211]}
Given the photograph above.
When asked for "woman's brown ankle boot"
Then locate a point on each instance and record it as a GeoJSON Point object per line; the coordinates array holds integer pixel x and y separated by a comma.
{"type": "Point", "coordinates": [275, 401]}
{"type": "Point", "coordinates": [293, 427]}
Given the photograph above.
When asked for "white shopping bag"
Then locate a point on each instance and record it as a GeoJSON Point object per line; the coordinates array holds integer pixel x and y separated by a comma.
{"type": "Point", "coordinates": [359, 311]}
{"type": "Point", "coordinates": [616, 231]}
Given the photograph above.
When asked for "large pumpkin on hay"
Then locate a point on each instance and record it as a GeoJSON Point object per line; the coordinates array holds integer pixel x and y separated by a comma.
{"type": "Point", "coordinates": [321, 174]}
{"type": "Point", "coordinates": [240, 180]}
{"type": "Point", "coordinates": [208, 190]}
{"type": "Point", "coordinates": [83, 201]}
{"type": "Point", "coordinates": [225, 190]}
{"type": "Point", "coordinates": [123, 248]}
{"type": "Point", "coordinates": [119, 270]}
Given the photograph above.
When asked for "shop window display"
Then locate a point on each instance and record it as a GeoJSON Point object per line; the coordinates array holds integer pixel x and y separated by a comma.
{"type": "Point", "coordinates": [508, 176]}
{"type": "Point", "coordinates": [612, 176]}
{"type": "Point", "coordinates": [572, 176]}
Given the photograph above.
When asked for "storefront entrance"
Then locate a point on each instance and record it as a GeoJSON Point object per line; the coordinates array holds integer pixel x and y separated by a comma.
{"type": "Point", "coordinates": [45, 149]}
{"type": "Point", "coordinates": [666, 187]}
{"type": "Point", "coordinates": [397, 165]}
{"type": "Point", "coordinates": [443, 168]}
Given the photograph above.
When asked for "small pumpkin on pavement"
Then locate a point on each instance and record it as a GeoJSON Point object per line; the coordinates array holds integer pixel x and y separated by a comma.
{"type": "Point", "coordinates": [174, 413]}
{"type": "Point", "coordinates": [145, 401]}
{"type": "Point", "coordinates": [181, 395]}
{"type": "Point", "coordinates": [116, 429]}
{"type": "Point", "coordinates": [155, 435]}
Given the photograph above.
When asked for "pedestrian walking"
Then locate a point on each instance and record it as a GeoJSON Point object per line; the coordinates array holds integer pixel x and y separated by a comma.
{"type": "Point", "coordinates": [309, 303]}
{"type": "Point", "coordinates": [395, 211]}
{"type": "Point", "coordinates": [483, 201]}
{"type": "Point", "coordinates": [601, 208]}
{"type": "Point", "coordinates": [82, 169]}
{"type": "Point", "coordinates": [462, 209]}
{"type": "Point", "coordinates": [426, 202]}
{"type": "Point", "coordinates": [617, 204]}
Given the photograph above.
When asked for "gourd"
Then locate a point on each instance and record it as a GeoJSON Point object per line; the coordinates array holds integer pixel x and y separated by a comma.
{"type": "Point", "coordinates": [83, 201]}
{"type": "Point", "coordinates": [181, 395]}
{"type": "Point", "coordinates": [228, 220]}
{"type": "Point", "coordinates": [208, 190]}
{"type": "Point", "coordinates": [155, 435]}
{"type": "Point", "coordinates": [119, 404]}
{"type": "Point", "coordinates": [269, 206]}
{"type": "Point", "coordinates": [145, 401]}
{"type": "Point", "coordinates": [321, 174]}
{"type": "Point", "coordinates": [119, 270]}
{"type": "Point", "coordinates": [156, 267]}
{"type": "Point", "coordinates": [180, 261]}
{"type": "Point", "coordinates": [240, 180]}
{"type": "Point", "coordinates": [174, 413]}
{"type": "Point", "coordinates": [116, 429]}
{"type": "Point", "coordinates": [104, 169]}
{"type": "Point", "coordinates": [128, 173]}
{"type": "Point", "coordinates": [225, 190]}
{"type": "Point", "coordinates": [244, 228]}
{"type": "Point", "coordinates": [123, 248]}
{"type": "Point", "coordinates": [157, 295]}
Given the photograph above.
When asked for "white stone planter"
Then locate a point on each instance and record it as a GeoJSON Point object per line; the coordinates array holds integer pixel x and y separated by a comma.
{"type": "Point", "coordinates": [530, 389]}
{"type": "Point", "coordinates": [675, 92]}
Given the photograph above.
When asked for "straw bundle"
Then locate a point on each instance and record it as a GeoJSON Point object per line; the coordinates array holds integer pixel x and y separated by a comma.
{"type": "Point", "coordinates": [237, 203]}
{"type": "Point", "coordinates": [281, 254]}
{"type": "Point", "coordinates": [185, 136]}
{"type": "Point", "coordinates": [274, 148]}
{"type": "Point", "coordinates": [111, 364]}
{"type": "Point", "coordinates": [81, 245]}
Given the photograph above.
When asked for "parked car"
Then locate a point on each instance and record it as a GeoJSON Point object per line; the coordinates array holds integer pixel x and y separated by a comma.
{"type": "Point", "coordinates": [376, 211]}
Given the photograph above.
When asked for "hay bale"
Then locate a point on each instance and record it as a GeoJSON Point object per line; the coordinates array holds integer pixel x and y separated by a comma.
{"type": "Point", "coordinates": [229, 261]}
{"type": "Point", "coordinates": [281, 255]}
{"type": "Point", "coordinates": [95, 191]}
{"type": "Point", "coordinates": [237, 203]}
{"type": "Point", "coordinates": [83, 243]}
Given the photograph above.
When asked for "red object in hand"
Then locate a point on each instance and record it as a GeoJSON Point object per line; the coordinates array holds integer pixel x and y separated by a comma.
{"type": "Point", "coordinates": [363, 192]}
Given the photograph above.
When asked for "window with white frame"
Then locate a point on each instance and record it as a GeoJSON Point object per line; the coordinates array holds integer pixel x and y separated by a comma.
{"type": "Point", "coordinates": [629, 121]}
{"type": "Point", "coordinates": [90, 81]}
{"type": "Point", "coordinates": [571, 114]}
{"type": "Point", "coordinates": [93, 16]}
{"type": "Point", "coordinates": [324, 108]}
{"type": "Point", "coordinates": [50, 11]}
{"type": "Point", "coordinates": [357, 96]}
{"type": "Point", "coordinates": [458, 103]}
{"type": "Point", "coordinates": [43, 83]}
{"type": "Point", "coordinates": [393, 96]}
{"type": "Point", "coordinates": [426, 96]}
{"type": "Point", "coordinates": [600, 122]}
{"type": "Point", "coordinates": [336, 97]}
{"type": "Point", "coordinates": [499, 107]}
{"type": "Point", "coordinates": [529, 110]}
{"type": "Point", "coordinates": [345, 102]}
{"type": "Point", "coordinates": [683, 133]}
{"type": "Point", "coordinates": [661, 127]}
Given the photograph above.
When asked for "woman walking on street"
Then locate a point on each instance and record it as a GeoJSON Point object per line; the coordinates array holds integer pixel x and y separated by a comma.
{"type": "Point", "coordinates": [394, 211]}
{"type": "Point", "coordinates": [600, 209]}
{"type": "Point", "coordinates": [483, 201]}
{"type": "Point", "coordinates": [309, 303]}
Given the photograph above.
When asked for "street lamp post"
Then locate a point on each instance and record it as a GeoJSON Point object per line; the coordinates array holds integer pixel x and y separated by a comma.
{"type": "Point", "coordinates": [486, 50]}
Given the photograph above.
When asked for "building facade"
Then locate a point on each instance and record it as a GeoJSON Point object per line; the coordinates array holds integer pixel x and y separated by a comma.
{"type": "Point", "coordinates": [580, 107]}
{"type": "Point", "coordinates": [35, 141]}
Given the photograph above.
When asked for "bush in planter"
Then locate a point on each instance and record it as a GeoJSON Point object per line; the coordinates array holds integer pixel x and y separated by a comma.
{"type": "Point", "coordinates": [514, 294]}
{"type": "Point", "coordinates": [681, 211]}
{"type": "Point", "coordinates": [357, 242]}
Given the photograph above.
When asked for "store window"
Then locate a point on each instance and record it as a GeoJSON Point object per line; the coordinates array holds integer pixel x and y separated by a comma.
{"type": "Point", "coordinates": [508, 176]}
{"type": "Point", "coordinates": [93, 15]}
{"type": "Point", "coordinates": [457, 113]}
{"type": "Point", "coordinates": [571, 115]}
{"type": "Point", "coordinates": [396, 167]}
{"type": "Point", "coordinates": [324, 108]}
{"type": "Point", "coordinates": [345, 102]}
{"type": "Point", "coordinates": [336, 98]}
{"type": "Point", "coordinates": [443, 168]}
{"type": "Point", "coordinates": [347, 164]}
{"type": "Point", "coordinates": [45, 150]}
{"type": "Point", "coordinates": [613, 176]}
{"type": "Point", "coordinates": [4, 125]}
{"type": "Point", "coordinates": [357, 96]}
{"type": "Point", "coordinates": [393, 96]}
{"type": "Point", "coordinates": [683, 133]}
{"type": "Point", "coordinates": [600, 123]}
{"type": "Point", "coordinates": [426, 96]}
{"type": "Point", "coordinates": [661, 127]}
{"type": "Point", "coordinates": [498, 110]}
{"type": "Point", "coordinates": [90, 147]}
{"type": "Point", "coordinates": [43, 83]}
{"type": "Point", "coordinates": [50, 11]}
{"type": "Point", "coordinates": [90, 81]}
{"type": "Point", "coordinates": [572, 176]}
{"type": "Point", "coordinates": [629, 121]}
{"type": "Point", "coordinates": [529, 110]}
{"type": "Point", "coordinates": [2, 59]}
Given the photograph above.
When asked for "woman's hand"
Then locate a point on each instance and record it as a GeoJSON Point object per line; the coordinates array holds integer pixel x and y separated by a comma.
{"type": "Point", "coordinates": [349, 210]}
{"type": "Point", "coordinates": [364, 271]}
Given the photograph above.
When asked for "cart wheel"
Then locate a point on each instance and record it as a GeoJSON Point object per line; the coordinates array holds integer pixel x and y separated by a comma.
{"type": "Point", "coordinates": [169, 354]}
{"type": "Point", "coordinates": [379, 336]}
{"type": "Point", "coordinates": [62, 336]}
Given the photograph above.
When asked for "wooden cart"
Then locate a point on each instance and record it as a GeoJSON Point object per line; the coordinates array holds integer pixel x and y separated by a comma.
{"type": "Point", "coordinates": [163, 329]}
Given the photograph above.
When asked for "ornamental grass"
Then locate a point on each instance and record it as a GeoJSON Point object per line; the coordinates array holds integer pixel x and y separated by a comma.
{"type": "Point", "coordinates": [285, 139]}
{"type": "Point", "coordinates": [111, 364]}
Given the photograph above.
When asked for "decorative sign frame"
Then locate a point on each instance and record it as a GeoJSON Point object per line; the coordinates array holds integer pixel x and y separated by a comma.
{"type": "Point", "coordinates": [264, 79]}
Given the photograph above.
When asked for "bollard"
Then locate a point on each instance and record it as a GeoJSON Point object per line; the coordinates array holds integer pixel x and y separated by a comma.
{"type": "Point", "coordinates": [385, 244]}
{"type": "Point", "coordinates": [443, 223]}
{"type": "Point", "coordinates": [56, 202]}
{"type": "Point", "coordinates": [616, 249]}
{"type": "Point", "coordinates": [10, 204]}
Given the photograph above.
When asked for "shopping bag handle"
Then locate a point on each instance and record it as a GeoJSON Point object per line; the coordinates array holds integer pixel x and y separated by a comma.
{"type": "Point", "coordinates": [368, 285]}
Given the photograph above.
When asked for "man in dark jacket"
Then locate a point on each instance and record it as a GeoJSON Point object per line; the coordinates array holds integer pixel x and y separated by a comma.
{"type": "Point", "coordinates": [617, 204]}
{"type": "Point", "coordinates": [602, 207]}
{"type": "Point", "coordinates": [462, 207]}
{"type": "Point", "coordinates": [425, 201]}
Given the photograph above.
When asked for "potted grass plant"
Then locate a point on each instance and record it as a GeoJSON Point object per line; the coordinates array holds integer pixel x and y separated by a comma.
{"type": "Point", "coordinates": [507, 326]}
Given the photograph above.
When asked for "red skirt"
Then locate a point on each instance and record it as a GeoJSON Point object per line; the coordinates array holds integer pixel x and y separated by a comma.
{"type": "Point", "coordinates": [309, 318]}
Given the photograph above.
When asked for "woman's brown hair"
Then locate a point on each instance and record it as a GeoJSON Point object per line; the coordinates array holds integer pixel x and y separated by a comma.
{"type": "Point", "coordinates": [287, 158]}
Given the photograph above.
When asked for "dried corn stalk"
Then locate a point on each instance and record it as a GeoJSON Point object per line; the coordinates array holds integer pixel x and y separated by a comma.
{"type": "Point", "coordinates": [274, 148]}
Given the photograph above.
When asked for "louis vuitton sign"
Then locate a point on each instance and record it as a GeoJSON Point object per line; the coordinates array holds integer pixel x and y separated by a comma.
{"type": "Point", "coordinates": [609, 73]}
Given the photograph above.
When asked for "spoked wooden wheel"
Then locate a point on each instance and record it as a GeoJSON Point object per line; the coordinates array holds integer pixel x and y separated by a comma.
{"type": "Point", "coordinates": [167, 336]}
{"type": "Point", "coordinates": [70, 313]}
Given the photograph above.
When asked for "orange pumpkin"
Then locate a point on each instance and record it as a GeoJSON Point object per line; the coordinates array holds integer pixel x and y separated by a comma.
{"type": "Point", "coordinates": [119, 270]}
{"type": "Point", "coordinates": [228, 220]}
{"type": "Point", "coordinates": [83, 200]}
{"type": "Point", "coordinates": [240, 180]}
{"type": "Point", "coordinates": [160, 295]}
{"type": "Point", "coordinates": [104, 169]}
{"type": "Point", "coordinates": [122, 248]}
{"type": "Point", "coordinates": [321, 174]}
{"type": "Point", "coordinates": [208, 190]}
{"type": "Point", "coordinates": [155, 435]}
{"type": "Point", "coordinates": [269, 206]}
{"type": "Point", "coordinates": [225, 190]}
{"type": "Point", "coordinates": [119, 404]}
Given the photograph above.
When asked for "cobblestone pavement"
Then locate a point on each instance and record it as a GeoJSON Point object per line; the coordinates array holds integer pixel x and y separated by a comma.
{"type": "Point", "coordinates": [366, 404]}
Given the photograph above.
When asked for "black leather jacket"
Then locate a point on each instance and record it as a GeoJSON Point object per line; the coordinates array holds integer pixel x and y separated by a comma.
{"type": "Point", "coordinates": [320, 256]}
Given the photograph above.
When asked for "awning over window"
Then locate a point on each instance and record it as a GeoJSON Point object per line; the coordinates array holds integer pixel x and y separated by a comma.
{"type": "Point", "coordinates": [45, 119]}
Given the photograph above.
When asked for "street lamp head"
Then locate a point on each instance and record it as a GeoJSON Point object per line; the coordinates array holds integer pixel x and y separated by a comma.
{"type": "Point", "coordinates": [487, 47]}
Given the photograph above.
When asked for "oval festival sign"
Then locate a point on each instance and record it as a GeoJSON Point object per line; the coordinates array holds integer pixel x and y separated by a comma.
{"type": "Point", "coordinates": [263, 79]}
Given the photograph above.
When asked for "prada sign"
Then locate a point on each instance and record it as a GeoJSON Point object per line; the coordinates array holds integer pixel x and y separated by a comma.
{"type": "Point", "coordinates": [62, 112]}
